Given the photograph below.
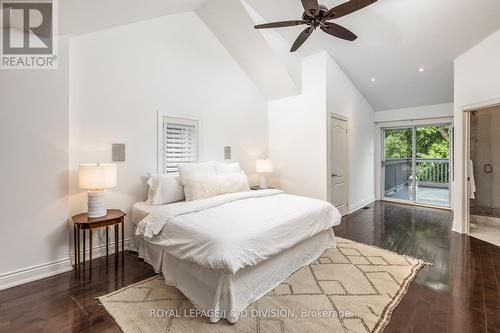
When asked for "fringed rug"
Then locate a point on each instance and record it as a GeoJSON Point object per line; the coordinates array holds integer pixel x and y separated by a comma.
{"type": "Point", "coordinates": [353, 288]}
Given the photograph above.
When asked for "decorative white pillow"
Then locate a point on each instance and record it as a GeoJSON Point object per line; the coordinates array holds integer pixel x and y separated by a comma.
{"type": "Point", "coordinates": [223, 168]}
{"type": "Point", "coordinates": [209, 186]}
{"type": "Point", "coordinates": [164, 189]}
{"type": "Point", "coordinates": [190, 171]}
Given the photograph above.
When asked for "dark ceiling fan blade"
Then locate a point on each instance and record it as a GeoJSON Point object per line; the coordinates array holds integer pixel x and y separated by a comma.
{"type": "Point", "coordinates": [338, 31]}
{"type": "Point", "coordinates": [311, 7]}
{"type": "Point", "coordinates": [280, 24]}
{"type": "Point", "coordinates": [347, 8]}
{"type": "Point", "coordinates": [304, 35]}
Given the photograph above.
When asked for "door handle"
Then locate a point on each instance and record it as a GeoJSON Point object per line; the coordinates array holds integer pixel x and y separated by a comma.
{"type": "Point", "coordinates": [334, 175]}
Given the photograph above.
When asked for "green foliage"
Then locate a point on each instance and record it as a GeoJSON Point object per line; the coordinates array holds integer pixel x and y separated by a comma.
{"type": "Point", "coordinates": [398, 143]}
{"type": "Point", "coordinates": [432, 142]}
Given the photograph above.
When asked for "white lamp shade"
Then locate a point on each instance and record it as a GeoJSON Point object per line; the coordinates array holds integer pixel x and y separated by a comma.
{"type": "Point", "coordinates": [97, 176]}
{"type": "Point", "coordinates": [264, 166]}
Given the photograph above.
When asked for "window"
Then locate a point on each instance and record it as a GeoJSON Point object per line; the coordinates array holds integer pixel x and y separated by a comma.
{"type": "Point", "coordinates": [178, 143]}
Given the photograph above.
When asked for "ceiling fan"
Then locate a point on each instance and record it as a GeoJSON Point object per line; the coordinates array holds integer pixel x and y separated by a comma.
{"type": "Point", "coordinates": [316, 15]}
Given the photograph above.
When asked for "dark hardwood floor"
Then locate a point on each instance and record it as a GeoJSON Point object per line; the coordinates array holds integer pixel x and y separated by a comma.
{"type": "Point", "coordinates": [459, 293]}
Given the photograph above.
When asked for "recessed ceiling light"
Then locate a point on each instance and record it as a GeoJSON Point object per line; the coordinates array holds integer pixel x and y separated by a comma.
{"type": "Point", "coordinates": [373, 79]}
{"type": "Point", "coordinates": [421, 69]}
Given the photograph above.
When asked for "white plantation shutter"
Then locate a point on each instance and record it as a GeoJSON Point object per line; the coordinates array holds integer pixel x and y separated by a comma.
{"type": "Point", "coordinates": [180, 140]}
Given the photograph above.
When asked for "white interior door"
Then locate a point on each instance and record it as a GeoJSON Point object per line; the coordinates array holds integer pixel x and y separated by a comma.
{"type": "Point", "coordinates": [338, 164]}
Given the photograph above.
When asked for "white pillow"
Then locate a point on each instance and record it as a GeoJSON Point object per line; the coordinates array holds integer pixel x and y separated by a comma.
{"type": "Point", "coordinates": [190, 171]}
{"type": "Point", "coordinates": [212, 185]}
{"type": "Point", "coordinates": [164, 189]}
{"type": "Point", "coordinates": [222, 168]}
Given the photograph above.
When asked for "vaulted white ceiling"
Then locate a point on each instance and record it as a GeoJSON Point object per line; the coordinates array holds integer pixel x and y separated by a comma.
{"type": "Point", "coordinates": [84, 16]}
{"type": "Point", "coordinates": [255, 54]}
{"type": "Point", "coordinates": [396, 38]}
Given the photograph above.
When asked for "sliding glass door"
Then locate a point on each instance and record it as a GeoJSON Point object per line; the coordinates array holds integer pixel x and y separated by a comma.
{"type": "Point", "coordinates": [398, 163]}
{"type": "Point", "coordinates": [416, 164]}
{"type": "Point", "coordinates": [433, 165]}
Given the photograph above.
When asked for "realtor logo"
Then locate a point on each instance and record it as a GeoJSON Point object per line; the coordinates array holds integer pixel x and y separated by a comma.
{"type": "Point", "coordinates": [28, 29]}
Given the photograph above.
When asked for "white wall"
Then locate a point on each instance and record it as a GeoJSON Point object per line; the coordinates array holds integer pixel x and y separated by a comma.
{"type": "Point", "coordinates": [33, 172]}
{"type": "Point", "coordinates": [345, 99]}
{"type": "Point", "coordinates": [416, 113]}
{"type": "Point", "coordinates": [122, 76]}
{"type": "Point", "coordinates": [298, 133]}
{"type": "Point", "coordinates": [477, 84]}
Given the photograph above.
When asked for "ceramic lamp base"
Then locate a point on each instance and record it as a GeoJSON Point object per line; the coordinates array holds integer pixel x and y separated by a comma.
{"type": "Point", "coordinates": [96, 203]}
{"type": "Point", "coordinates": [263, 182]}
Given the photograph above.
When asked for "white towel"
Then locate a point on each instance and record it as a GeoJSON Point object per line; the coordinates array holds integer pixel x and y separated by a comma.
{"type": "Point", "coordinates": [472, 180]}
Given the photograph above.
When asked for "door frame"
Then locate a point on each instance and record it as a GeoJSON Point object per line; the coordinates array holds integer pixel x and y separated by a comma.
{"type": "Point", "coordinates": [464, 205]}
{"type": "Point", "coordinates": [379, 155]}
{"type": "Point", "coordinates": [330, 116]}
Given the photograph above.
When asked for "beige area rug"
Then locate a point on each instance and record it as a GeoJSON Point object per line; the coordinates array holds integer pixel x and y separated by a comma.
{"type": "Point", "coordinates": [353, 288]}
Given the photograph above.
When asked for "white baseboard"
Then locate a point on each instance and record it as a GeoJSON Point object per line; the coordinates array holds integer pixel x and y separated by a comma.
{"type": "Point", "coordinates": [361, 204]}
{"type": "Point", "coordinates": [26, 275]}
{"type": "Point", "coordinates": [100, 250]}
{"type": "Point", "coordinates": [34, 273]}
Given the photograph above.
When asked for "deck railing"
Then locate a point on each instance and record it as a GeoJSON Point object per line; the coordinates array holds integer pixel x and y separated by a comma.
{"type": "Point", "coordinates": [431, 172]}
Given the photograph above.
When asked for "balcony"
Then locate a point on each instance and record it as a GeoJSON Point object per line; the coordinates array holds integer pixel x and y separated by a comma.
{"type": "Point", "coordinates": [432, 180]}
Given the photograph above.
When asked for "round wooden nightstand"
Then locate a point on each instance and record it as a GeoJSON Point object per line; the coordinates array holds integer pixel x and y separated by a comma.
{"type": "Point", "coordinates": [83, 222]}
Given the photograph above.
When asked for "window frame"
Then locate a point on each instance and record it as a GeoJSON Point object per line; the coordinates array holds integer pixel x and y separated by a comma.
{"type": "Point", "coordinates": [175, 119]}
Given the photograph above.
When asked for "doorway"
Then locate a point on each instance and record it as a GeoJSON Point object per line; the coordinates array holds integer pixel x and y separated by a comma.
{"type": "Point", "coordinates": [338, 162]}
{"type": "Point", "coordinates": [416, 164]}
{"type": "Point", "coordinates": [483, 175]}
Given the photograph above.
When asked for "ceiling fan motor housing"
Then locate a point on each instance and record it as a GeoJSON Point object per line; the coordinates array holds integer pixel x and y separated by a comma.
{"type": "Point", "coordinates": [316, 20]}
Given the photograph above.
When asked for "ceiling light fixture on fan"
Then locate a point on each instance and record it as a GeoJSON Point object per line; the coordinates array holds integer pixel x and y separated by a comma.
{"type": "Point", "coordinates": [316, 15]}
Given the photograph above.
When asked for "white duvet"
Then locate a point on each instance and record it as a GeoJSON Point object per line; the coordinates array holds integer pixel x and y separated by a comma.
{"type": "Point", "coordinates": [232, 231]}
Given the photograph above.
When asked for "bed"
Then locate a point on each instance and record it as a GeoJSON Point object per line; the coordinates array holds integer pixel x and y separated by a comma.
{"type": "Point", "coordinates": [227, 251]}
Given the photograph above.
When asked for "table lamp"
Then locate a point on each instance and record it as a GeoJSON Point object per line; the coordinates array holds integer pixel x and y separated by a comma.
{"type": "Point", "coordinates": [264, 168]}
{"type": "Point", "coordinates": [96, 178]}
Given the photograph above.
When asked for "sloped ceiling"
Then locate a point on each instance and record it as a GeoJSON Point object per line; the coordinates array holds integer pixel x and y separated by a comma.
{"type": "Point", "coordinates": [84, 16]}
{"type": "Point", "coordinates": [248, 47]}
{"type": "Point", "coordinates": [227, 19]}
{"type": "Point", "coordinates": [396, 38]}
